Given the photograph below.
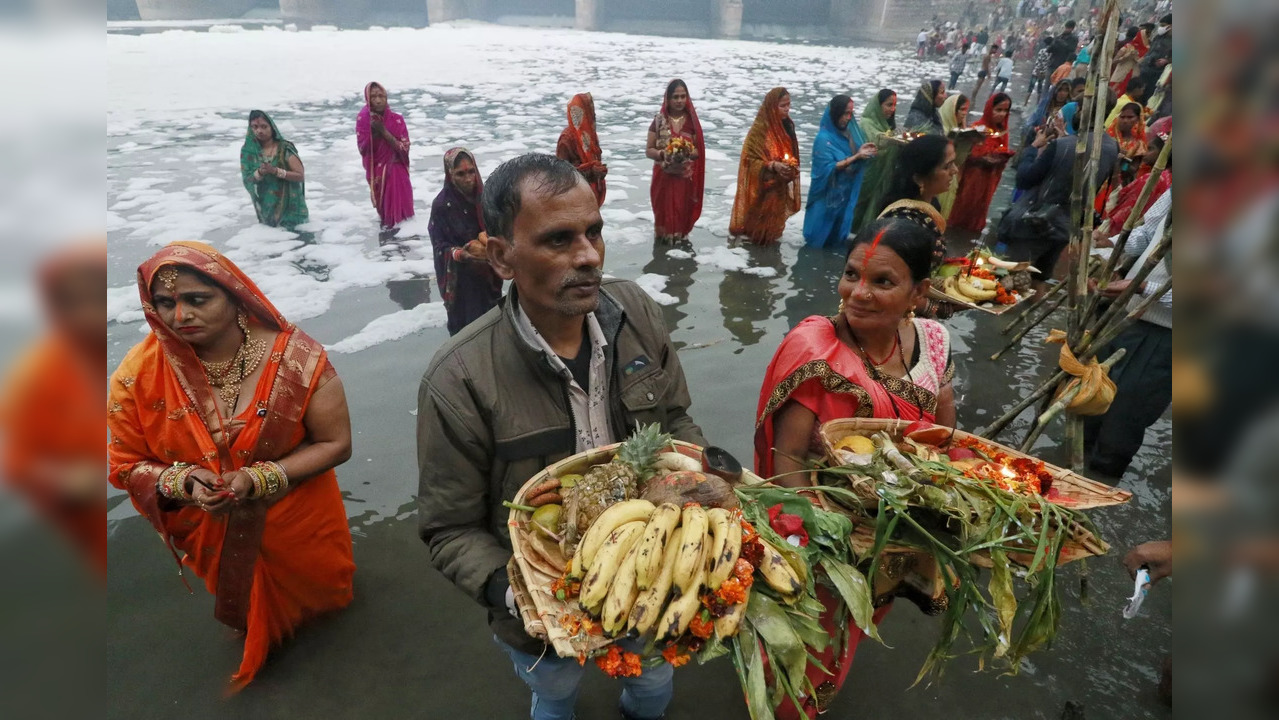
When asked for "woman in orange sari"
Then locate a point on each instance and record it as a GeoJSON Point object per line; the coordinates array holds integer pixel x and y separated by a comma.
{"type": "Point", "coordinates": [580, 145]}
{"type": "Point", "coordinates": [226, 423]}
{"type": "Point", "coordinates": [768, 177]}
{"type": "Point", "coordinates": [980, 175]}
{"type": "Point", "coordinates": [873, 358]}
{"type": "Point", "coordinates": [51, 405]}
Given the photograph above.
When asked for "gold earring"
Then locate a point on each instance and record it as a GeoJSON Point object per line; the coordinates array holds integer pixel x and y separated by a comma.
{"type": "Point", "coordinates": [243, 320]}
{"type": "Point", "coordinates": [840, 311]}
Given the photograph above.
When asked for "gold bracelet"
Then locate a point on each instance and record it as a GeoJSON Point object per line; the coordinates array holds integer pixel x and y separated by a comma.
{"type": "Point", "coordinates": [259, 484]}
{"type": "Point", "coordinates": [173, 481]}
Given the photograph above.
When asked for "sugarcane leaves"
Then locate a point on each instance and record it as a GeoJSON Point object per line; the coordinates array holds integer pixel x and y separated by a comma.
{"type": "Point", "coordinates": [748, 660]}
{"type": "Point", "coordinates": [855, 592]}
{"type": "Point", "coordinates": [1003, 599]}
{"type": "Point", "coordinates": [713, 648]}
{"type": "Point", "coordinates": [771, 622]}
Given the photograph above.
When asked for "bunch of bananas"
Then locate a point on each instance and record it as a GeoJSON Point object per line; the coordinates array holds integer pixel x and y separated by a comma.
{"type": "Point", "coordinates": [970, 289]}
{"type": "Point", "coordinates": [643, 568]}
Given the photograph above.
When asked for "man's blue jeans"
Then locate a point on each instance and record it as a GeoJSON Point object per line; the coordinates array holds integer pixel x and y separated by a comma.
{"type": "Point", "coordinates": [554, 681]}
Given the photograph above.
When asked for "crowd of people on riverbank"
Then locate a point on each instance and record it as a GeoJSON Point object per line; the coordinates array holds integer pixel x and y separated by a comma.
{"type": "Point", "coordinates": [227, 421]}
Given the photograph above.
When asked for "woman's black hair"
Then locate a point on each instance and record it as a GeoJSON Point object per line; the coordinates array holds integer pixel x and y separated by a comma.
{"type": "Point", "coordinates": [1131, 33]}
{"type": "Point", "coordinates": [838, 105]}
{"type": "Point", "coordinates": [670, 88]}
{"type": "Point", "coordinates": [258, 115]}
{"type": "Point", "coordinates": [920, 156]}
{"type": "Point", "coordinates": [912, 242]}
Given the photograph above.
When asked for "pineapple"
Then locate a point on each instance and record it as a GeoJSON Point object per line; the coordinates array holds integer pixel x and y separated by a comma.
{"type": "Point", "coordinates": [620, 479]}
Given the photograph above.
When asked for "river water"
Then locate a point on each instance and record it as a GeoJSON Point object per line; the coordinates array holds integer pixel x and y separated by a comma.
{"type": "Point", "coordinates": [411, 645]}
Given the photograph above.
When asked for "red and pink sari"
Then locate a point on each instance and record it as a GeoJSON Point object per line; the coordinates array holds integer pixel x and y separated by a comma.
{"type": "Point", "coordinates": [386, 164]}
{"type": "Point", "coordinates": [979, 178]}
{"type": "Point", "coordinates": [677, 198]}
{"type": "Point", "coordinates": [816, 369]}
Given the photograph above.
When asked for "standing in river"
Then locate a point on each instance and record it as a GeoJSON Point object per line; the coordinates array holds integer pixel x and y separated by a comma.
{"type": "Point", "coordinates": [879, 119]}
{"type": "Point", "coordinates": [383, 139]}
{"type": "Point", "coordinates": [579, 144]}
{"type": "Point", "coordinates": [226, 422]}
{"type": "Point", "coordinates": [678, 151]}
{"type": "Point", "coordinates": [273, 174]}
{"type": "Point", "coordinates": [467, 283]}
{"type": "Point", "coordinates": [768, 191]}
{"type": "Point", "coordinates": [984, 166]}
{"type": "Point", "coordinates": [954, 120]}
{"type": "Point", "coordinates": [563, 367]}
{"type": "Point", "coordinates": [840, 157]}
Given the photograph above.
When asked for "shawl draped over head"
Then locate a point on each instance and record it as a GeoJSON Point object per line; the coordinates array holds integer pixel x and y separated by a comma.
{"type": "Point", "coordinates": [677, 199]}
{"type": "Point", "coordinates": [579, 144]}
{"type": "Point", "coordinates": [277, 202]}
{"type": "Point", "coordinates": [950, 123]}
{"type": "Point", "coordinates": [815, 368]}
{"type": "Point", "coordinates": [271, 565]}
{"type": "Point", "coordinates": [1048, 107]}
{"type": "Point", "coordinates": [1134, 146]}
{"type": "Point", "coordinates": [1127, 60]}
{"type": "Point", "coordinates": [978, 180]}
{"type": "Point", "coordinates": [386, 164]}
{"type": "Point", "coordinates": [51, 414]}
{"type": "Point", "coordinates": [469, 289]}
{"type": "Point", "coordinates": [764, 201]}
{"type": "Point", "coordinates": [923, 116]}
{"type": "Point", "coordinates": [875, 124]}
{"type": "Point", "coordinates": [832, 194]}
{"type": "Point", "coordinates": [1068, 112]}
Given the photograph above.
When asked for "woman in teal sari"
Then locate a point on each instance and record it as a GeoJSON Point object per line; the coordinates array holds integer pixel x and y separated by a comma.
{"type": "Point", "coordinates": [840, 157]}
{"type": "Point", "coordinates": [878, 119]}
{"type": "Point", "coordinates": [273, 174]}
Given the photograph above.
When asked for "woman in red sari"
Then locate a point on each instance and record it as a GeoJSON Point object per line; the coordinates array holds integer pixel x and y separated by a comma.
{"type": "Point", "coordinates": [1120, 204]}
{"type": "Point", "coordinates": [226, 423]}
{"type": "Point", "coordinates": [383, 139]}
{"type": "Point", "coordinates": [872, 359]}
{"type": "Point", "coordinates": [580, 144]}
{"type": "Point", "coordinates": [768, 177]}
{"type": "Point", "coordinates": [1127, 59]}
{"type": "Point", "coordinates": [980, 175]}
{"type": "Point", "coordinates": [678, 182]}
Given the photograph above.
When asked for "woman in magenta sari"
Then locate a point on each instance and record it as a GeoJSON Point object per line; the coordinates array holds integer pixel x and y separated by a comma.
{"type": "Point", "coordinates": [872, 359]}
{"type": "Point", "coordinates": [384, 146]}
{"type": "Point", "coordinates": [679, 177]}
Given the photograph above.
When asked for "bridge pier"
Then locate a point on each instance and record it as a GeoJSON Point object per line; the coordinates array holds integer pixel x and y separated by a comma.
{"type": "Point", "coordinates": [446, 10]}
{"type": "Point", "coordinates": [588, 15]}
{"type": "Point", "coordinates": [728, 19]}
{"type": "Point", "coordinates": [192, 9]}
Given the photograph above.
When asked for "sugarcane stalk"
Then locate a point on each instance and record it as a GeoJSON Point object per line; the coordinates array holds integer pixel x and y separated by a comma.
{"type": "Point", "coordinates": [1030, 308]}
{"type": "Point", "coordinates": [1091, 347]}
{"type": "Point", "coordinates": [1037, 429]}
{"type": "Point", "coordinates": [1016, 339]}
{"type": "Point", "coordinates": [1072, 392]}
{"type": "Point", "coordinates": [1089, 180]}
{"type": "Point", "coordinates": [1135, 217]}
{"type": "Point", "coordinates": [1156, 256]}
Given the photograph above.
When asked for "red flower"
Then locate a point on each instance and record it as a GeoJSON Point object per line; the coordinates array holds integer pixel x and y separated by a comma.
{"type": "Point", "coordinates": [787, 525]}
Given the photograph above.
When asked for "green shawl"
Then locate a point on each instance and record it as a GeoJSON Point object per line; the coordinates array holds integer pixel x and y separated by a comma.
{"type": "Point", "coordinates": [278, 203]}
{"type": "Point", "coordinates": [879, 174]}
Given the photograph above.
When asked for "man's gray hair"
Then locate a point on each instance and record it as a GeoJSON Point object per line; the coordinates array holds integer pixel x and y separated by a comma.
{"type": "Point", "coordinates": [503, 189]}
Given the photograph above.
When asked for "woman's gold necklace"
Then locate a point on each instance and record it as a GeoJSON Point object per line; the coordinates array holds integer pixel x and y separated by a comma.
{"type": "Point", "coordinates": [228, 376]}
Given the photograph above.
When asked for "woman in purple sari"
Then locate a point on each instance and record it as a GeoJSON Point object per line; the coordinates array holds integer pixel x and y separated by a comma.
{"type": "Point", "coordinates": [384, 146]}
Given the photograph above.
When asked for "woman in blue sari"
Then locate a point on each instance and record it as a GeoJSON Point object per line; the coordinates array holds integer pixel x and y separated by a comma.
{"type": "Point", "coordinates": [838, 171]}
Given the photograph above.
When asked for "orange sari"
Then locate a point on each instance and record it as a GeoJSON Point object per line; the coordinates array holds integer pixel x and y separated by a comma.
{"type": "Point", "coordinates": [271, 564]}
{"type": "Point", "coordinates": [580, 144]}
{"type": "Point", "coordinates": [764, 201]}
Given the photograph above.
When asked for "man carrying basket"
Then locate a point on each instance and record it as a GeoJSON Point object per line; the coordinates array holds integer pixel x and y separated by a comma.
{"type": "Point", "coordinates": [565, 363]}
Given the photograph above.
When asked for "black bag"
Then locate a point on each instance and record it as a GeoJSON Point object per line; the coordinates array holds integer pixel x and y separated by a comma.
{"type": "Point", "coordinates": [1032, 223]}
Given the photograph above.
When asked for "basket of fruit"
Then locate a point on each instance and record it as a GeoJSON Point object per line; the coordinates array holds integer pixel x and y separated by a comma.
{"type": "Point", "coordinates": [981, 281]}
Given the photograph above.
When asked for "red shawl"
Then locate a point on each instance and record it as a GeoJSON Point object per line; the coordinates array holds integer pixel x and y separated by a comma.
{"type": "Point", "coordinates": [816, 369]}
{"type": "Point", "coordinates": [580, 145]}
{"type": "Point", "coordinates": [677, 199]}
{"type": "Point", "coordinates": [979, 179]}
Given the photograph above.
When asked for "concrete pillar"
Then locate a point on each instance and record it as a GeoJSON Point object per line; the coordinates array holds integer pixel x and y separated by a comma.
{"type": "Point", "coordinates": [727, 19]}
{"type": "Point", "coordinates": [446, 10]}
{"type": "Point", "coordinates": [192, 9]}
{"type": "Point", "coordinates": [324, 11]}
{"type": "Point", "coordinates": [587, 16]}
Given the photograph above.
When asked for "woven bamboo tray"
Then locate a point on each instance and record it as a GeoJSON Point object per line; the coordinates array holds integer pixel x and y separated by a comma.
{"type": "Point", "coordinates": [992, 307]}
{"type": "Point", "coordinates": [1069, 490]}
{"type": "Point", "coordinates": [544, 615]}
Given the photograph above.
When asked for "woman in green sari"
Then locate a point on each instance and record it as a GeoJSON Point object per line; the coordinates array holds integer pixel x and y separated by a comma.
{"type": "Point", "coordinates": [273, 174]}
{"type": "Point", "coordinates": [879, 118]}
{"type": "Point", "coordinates": [954, 120]}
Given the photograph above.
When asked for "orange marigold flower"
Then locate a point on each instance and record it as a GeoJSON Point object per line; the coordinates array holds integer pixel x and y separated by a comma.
{"type": "Point", "coordinates": [674, 656]}
{"type": "Point", "coordinates": [701, 628]}
{"type": "Point", "coordinates": [732, 591]}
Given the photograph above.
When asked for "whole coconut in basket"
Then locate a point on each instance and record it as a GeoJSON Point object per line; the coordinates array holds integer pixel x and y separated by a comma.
{"type": "Point", "coordinates": [689, 486]}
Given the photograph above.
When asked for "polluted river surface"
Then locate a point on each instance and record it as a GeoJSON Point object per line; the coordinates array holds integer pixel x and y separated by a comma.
{"type": "Point", "coordinates": [411, 645]}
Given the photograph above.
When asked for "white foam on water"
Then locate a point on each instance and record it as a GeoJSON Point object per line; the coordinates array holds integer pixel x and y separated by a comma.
{"type": "Point", "coordinates": [394, 326]}
{"type": "Point", "coordinates": [761, 271]}
{"type": "Point", "coordinates": [654, 284]}
{"type": "Point", "coordinates": [723, 258]}
{"type": "Point", "coordinates": [679, 254]}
